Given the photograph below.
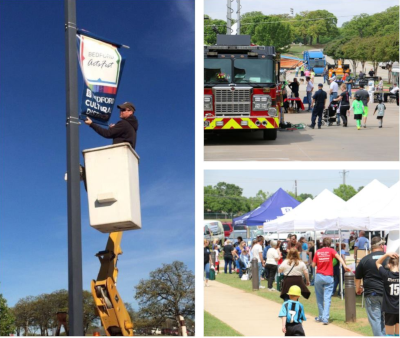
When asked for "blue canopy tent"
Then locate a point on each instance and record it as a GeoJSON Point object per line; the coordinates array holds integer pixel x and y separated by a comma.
{"type": "Point", "coordinates": [275, 206]}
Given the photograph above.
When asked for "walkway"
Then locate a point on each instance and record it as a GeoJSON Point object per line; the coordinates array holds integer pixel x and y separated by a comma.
{"type": "Point", "coordinates": [230, 304]}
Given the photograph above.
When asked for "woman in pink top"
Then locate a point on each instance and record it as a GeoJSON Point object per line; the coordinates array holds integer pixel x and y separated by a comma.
{"type": "Point", "coordinates": [323, 261]}
{"type": "Point", "coordinates": [307, 73]}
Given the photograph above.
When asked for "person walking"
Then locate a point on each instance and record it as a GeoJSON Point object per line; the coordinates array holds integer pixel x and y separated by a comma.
{"type": "Point", "coordinates": [124, 130]}
{"type": "Point", "coordinates": [336, 270]}
{"type": "Point", "coordinates": [207, 260]}
{"type": "Point", "coordinates": [292, 314]}
{"type": "Point", "coordinates": [264, 255]}
{"type": "Point", "coordinates": [257, 253]}
{"type": "Point", "coordinates": [311, 253]}
{"type": "Point", "coordinates": [297, 71]}
{"type": "Point", "coordinates": [333, 89]}
{"type": "Point", "coordinates": [309, 90]}
{"type": "Point", "coordinates": [379, 87]}
{"type": "Point", "coordinates": [324, 278]}
{"type": "Point", "coordinates": [373, 286]}
{"type": "Point", "coordinates": [364, 97]}
{"type": "Point", "coordinates": [349, 84]}
{"type": "Point", "coordinates": [325, 75]}
{"type": "Point", "coordinates": [380, 108]}
{"type": "Point", "coordinates": [273, 256]}
{"type": "Point", "coordinates": [358, 109]}
{"type": "Point", "coordinates": [293, 269]}
{"type": "Point", "coordinates": [361, 243]}
{"type": "Point", "coordinates": [390, 305]}
{"type": "Point", "coordinates": [302, 70]}
{"type": "Point", "coordinates": [344, 107]}
{"type": "Point", "coordinates": [319, 103]}
{"type": "Point", "coordinates": [294, 86]}
{"type": "Point", "coordinates": [228, 256]}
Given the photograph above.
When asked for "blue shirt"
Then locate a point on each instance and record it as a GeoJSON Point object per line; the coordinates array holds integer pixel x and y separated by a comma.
{"type": "Point", "coordinates": [238, 250]}
{"type": "Point", "coordinates": [362, 243]}
{"type": "Point", "coordinates": [264, 254]}
{"type": "Point", "coordinates": [293, 311]}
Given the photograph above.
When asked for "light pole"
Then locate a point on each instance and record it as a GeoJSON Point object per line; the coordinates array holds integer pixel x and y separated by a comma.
{"type": "Point", "coordinates": [75, 298]}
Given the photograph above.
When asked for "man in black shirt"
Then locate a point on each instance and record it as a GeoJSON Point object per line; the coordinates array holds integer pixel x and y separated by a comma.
{"type": "Point", "coordinates": [122, 131]}
{"type": "Point", "coordinates": [318, 102]}
{"type": "Point", "coordinates": [373, 286]}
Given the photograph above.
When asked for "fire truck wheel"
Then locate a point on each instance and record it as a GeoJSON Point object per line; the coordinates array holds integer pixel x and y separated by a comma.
{"type": "Point", "coordinates": [270, 134]}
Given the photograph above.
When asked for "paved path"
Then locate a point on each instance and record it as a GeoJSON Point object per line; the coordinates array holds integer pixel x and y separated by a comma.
{"type": "Point", "coordinates": [230, 304]}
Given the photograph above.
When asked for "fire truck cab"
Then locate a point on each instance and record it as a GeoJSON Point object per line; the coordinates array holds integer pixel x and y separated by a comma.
{"type": "Point", "coordinates": [241, 86]}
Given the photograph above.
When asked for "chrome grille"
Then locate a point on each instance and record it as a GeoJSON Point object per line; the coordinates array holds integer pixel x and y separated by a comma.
{"type": "Point", "coordinates": [230, 102]}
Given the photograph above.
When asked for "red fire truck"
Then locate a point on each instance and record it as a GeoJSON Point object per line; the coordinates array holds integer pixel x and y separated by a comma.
{"type": "Point", "coordinates": [241, 86]}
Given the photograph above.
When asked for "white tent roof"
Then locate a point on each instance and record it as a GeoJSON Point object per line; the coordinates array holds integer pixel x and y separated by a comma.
{"type": "Point", "coordinates": [388, 217]}
{"type": "Point", "coordinates": [348, 218]}
{"type": "Point", "coordinates": [276, 224]}
{"type": "Point", "coordinates": [326, 204]}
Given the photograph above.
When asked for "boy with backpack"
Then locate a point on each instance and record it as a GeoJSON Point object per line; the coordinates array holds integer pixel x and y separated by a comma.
{"type": "Point", "coordinates": [381, 112]}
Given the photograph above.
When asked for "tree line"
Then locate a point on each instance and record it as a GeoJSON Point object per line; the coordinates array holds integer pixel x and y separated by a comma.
{"type": "Point", "coordinates": [373, 38]}
{"type": "Point", "coordinates": [167, 294]}
{"type": "Point", "coordinates": [227, 198]}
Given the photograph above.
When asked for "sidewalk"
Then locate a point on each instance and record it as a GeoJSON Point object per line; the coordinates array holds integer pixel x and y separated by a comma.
{"type": "Point", "coordinates": [230, 305]}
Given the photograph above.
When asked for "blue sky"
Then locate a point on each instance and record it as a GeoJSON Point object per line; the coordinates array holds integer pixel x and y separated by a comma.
{"type": "Point", "coordinates": [158, 78]}
{"type": "Point", "coordinates": [308, 181]}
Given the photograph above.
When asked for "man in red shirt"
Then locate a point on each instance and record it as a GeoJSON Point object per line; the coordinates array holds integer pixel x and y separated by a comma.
{"type": "Point", "coordinates": [323, 261]}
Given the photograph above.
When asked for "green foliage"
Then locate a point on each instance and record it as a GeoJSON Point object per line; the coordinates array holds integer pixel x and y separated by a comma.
{"type": "Point", "coordinates": [310, 27]}
{"type": "Point", "coordinates": [224, 197]}
{"type": "Point", "coordinates": [168, 292]}
{"type": "Point", "coordinates": [210, 36]}
{"type": "Point", "coordinates": [273, 32]}
{"type": "Point", "coordinates": [345, 192]}
{"type": "Point", "coordinates": [39, 313]}
{"type": "Point", "coordinates": [7, 319]}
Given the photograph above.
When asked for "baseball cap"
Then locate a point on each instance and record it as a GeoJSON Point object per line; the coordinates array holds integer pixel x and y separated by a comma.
{"type": "Point", "coordinates": [320, 85]}
{"type": "Point", "coordinates": [127, 105]}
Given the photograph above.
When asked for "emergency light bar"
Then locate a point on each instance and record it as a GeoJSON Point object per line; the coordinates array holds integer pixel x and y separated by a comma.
{"type": "Point", "coordinates": [237, 47]}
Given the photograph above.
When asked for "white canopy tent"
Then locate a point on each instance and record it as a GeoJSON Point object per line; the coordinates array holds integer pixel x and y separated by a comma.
{"type": "Point", "coordinates": [276, 224]}
{"type": "Point", "coordinates": [350, 216]}
{"type": "Point", "coordinates": [388, 217]}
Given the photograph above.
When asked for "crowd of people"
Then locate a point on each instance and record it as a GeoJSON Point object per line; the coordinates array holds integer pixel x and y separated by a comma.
{"type": "Point", "coordinates": [295, 261]}
{"type": "Point", "coordinates": [340, 93]}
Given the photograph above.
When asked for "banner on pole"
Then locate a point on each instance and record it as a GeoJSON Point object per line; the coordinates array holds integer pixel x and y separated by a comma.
{"type": "Point", "coordinates": [101, 65]}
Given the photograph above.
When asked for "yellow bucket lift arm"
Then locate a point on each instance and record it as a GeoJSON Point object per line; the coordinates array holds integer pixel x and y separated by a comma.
{"type": "Point", "coordinates": [113, 314]}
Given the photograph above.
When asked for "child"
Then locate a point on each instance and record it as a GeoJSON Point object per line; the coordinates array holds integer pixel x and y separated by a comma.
{"type": "Point", "coordinates": [358, 108]}
{"type": "Point", "coordinates": [381, 111]}
{"type": "Point", "coordinates": [216, 250]}
{"type": "Point", "coordinates": [292, 313]}
{"type": "Point", "coordinates": [390, 305]}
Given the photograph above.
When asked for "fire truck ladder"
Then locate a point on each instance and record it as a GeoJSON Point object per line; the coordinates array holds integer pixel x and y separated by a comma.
{"type": "Point", "coordinates": [111, 309]}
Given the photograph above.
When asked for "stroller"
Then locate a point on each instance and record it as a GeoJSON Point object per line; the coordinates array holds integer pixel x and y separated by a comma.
{"type": "Point", "coordinates": [329, 114]}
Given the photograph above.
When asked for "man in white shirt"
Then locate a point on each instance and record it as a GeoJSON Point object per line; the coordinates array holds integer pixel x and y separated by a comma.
{"type": "Point", "coordinates": [309, 90]}
{"type": "Point", "coordinates": [257, 253]}
{"type": "Point", "coordinates": [334, 87]}
{"type": "Point", "coordinates": [395, 89]}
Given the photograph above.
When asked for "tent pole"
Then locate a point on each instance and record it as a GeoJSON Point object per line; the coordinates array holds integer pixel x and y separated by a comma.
{"type": "Point", "coordinates": [340, 267]}
{"type": "Point", "coordinates": [315, 251]}
{"type": "Point", "coordinates": [369, 242]}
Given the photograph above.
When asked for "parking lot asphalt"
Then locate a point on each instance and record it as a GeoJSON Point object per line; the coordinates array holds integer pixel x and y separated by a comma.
{"type": "Point", "coordinates": [334, 143]}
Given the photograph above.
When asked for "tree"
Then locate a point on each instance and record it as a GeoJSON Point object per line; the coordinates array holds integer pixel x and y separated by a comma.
{"type": "Point", "coordinates": [168, 293]}
{"type": "Point", "coordinates": [273, 32]}
{"type": "Point", "coordinates": [345, 192]}
{"type": "Point", "coordinates": [254, 202]}
{"type": "Point", "coordinates": [210, 27]}
{"type": "Point", "coordinates": [90, 316]}
{"type": "Point", "coordinates": [7, 319]}
{"type": "Point", "coordinates": [224, 197]}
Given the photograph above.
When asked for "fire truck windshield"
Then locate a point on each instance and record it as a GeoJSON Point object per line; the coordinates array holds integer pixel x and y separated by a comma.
{"type": "Point", "coordinates": [253, 71]}
{"type": "Point", "coordinates": [217, 70]}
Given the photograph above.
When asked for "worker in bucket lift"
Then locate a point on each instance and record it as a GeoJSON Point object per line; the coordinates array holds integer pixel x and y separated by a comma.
{"type": "Point", "coordinates": [124, 130]}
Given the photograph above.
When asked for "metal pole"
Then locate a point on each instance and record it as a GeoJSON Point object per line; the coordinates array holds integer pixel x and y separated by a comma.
{"type": "Point", "coordinates": [228, 17]}
{"type": "Point", "coordinates": [238, 17]}
{"type": "Point", "coordinates": [315, 251]}
{"type": "Point", "coordinates": [340, 266]}
{"type": "Point", "coordinates": [75, 299]}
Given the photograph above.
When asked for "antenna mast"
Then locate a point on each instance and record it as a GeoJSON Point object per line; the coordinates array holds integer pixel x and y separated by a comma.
{"type": "Point", "coordinates": [229, 17]}
{"type": "Point", "coordinates": [238, 17]}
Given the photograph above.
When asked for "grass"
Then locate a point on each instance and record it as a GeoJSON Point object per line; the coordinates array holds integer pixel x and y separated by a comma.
{"type": "Point", "coordinates": [337, 310]}
{"type": "Point", "coordinates": [214, 327]}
